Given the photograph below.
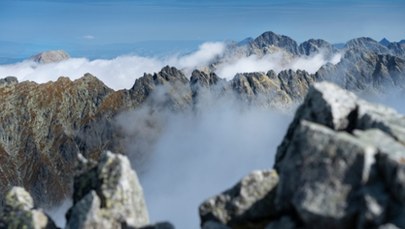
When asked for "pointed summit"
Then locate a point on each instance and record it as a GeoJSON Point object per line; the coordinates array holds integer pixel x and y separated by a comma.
{"type": "Point", "coordinates": [269, 38]}
{"type": "Point", "coordinates": [384, 42]}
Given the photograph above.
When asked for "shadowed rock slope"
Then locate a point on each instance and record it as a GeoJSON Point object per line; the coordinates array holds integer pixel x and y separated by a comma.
{"type": "Point", "coordinates": [43, 127]}
{"type": "Point", "coordinates": [340, 165]}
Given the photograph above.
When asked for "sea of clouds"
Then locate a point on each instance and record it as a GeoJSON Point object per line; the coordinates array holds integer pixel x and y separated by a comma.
{"type": "Point", "coordinates": [122, 71]}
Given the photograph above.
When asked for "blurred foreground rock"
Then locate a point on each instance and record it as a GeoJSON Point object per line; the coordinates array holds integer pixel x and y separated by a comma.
{"type": "Point", "coordinates": [340, 165]}
{"type": "Point", "coordinates": [19, 212]}
{"type": "Point", "coordinates": [108, 196]}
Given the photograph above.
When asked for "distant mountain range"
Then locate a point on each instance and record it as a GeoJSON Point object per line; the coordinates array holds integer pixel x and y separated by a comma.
{"type": "Point", "coordinates": [12, 52]}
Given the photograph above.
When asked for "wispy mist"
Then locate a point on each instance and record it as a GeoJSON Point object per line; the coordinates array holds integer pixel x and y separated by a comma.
{"type": "Point", "coordinates": [391, 97]}
{"type": "Point", "coordinates": [57, 213]}
{"type": "Point", "coordinates": [195, 154]}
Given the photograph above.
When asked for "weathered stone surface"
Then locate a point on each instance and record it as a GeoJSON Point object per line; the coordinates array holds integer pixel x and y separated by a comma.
{"type": "Point", "coordinates": [170, 85]}
{"type": "Point", "coordinates": [52, 56]}
{"type": "Point", "coordinates": [316, 46]}
{"type": "Point", "coordinates": [19, 212]}
{"type": "Point", "coordinates": [268, 39]}
{"type": "Point", "coordinates": [367, 70]}
{"type": "Point", "coordinates": [366, 44]}
{"type": "Point", "coordinates": [244, 203]}
{"type": "Point", "coordinates": [340, 165]}
{"type": "Point", "coordinates": [9, 80]}
{"type": "Point", "coordinates": [108, 196]}
{"type": "Point", "coordinates": [347, 167]}
{"type": "Point", "coordinates": [328, 168]}
{"type": "Point", "coordinates": [38, 128]}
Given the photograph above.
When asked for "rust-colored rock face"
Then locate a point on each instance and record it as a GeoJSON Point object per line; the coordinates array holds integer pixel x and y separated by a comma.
{"type": "Point", "coordinates": [39, 123]}
{"type": "Point", "coordinates": [43, 127]}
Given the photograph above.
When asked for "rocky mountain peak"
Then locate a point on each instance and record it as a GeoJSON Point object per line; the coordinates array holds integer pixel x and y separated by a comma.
{"type": "Point", "coordinates": [52, 56]}
{"type": "Point", "coordinates": [366, 44]}
{"type": "Point", "coordinates": [314, 46]}
{"type": "Point", "coordinates": [272, 39]}
{"type": "Point", "coordinates": [384, 42]}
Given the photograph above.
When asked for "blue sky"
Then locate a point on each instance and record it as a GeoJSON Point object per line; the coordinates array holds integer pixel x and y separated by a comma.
{"type": "Point", "coordinates": [47, 24]}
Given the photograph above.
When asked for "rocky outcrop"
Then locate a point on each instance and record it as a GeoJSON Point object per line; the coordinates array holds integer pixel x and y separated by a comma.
{"type": "Point", "coordinates": [38, 127]}
{"type": "Point", "coordinates": [397, 49]}
{"type": "Point", "coordinates": [367, 44]}
{"type": "Point", "coordinates": [244, 203]}
{"type": "Point", "coordinates": [365, 64]}
{"type": "Point", "coordinates": [384, 42]}
{"type": "Point", "coordinates": [44, 127]}
{"type": "Point", "coordinates": [362, 71]}
{"type": "Point", "coordinates": [52, 56]}
{"type": "Point", "coordinates": [316, 46]}
{"type": "Point", "coordinates": [19, 212]}
{"type": "Point", "coordinates": [340, 165]}
{"type": "Point", "coordinates": [8, 81]}
{"type": "Point", "coordinates": [172, 85]}
{"type": "Point", "coordinates": [269, 39]}
{"type": "Point", "coordinates": [108, 196]}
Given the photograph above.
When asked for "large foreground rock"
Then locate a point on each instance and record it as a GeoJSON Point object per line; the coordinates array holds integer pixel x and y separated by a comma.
{"type": "Point", "coordinates": [19, 212]}
{"type": "Point", "coordinates": [108, 196]}
{"type": "Point", "coordinates": [244, 202]}
{"type": "Point", "coordinates": [340, 165]}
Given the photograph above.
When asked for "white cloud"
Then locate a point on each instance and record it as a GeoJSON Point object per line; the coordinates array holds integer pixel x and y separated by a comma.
{"type": "Point", "coordinates": [89, 37]}
{"type": "Point", "coordinates": [277, 61]}
{"type": "Point", "coordinates": [117, 73]}
{"type": "Point", "coordinates": [205, 54]}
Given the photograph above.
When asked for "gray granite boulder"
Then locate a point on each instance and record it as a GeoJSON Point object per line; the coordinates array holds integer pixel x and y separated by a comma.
{"type": "Point", "coordinates": [108, 196]}
{"type": "Point", "coordinates": [19, 212]}
{"type": "Point", "coordinates": [340, 165]}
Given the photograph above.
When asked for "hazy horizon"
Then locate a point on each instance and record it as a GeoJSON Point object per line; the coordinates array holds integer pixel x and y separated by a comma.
{"type": "Point", "coordinates": [104, 29]}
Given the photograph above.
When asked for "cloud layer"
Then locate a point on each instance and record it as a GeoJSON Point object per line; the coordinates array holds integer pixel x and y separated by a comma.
{"type": "Point", "coordinates": [121, 72]}
{"type": "Point", "coordinates": [117, 73]}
